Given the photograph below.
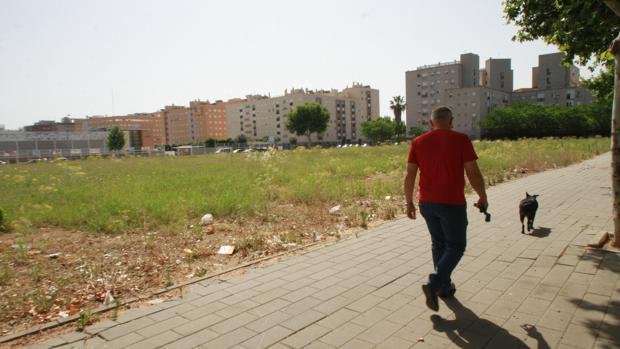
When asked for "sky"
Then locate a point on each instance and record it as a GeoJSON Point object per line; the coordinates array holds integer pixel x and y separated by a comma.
{"type": "Point", "coordinates": [86, 57]}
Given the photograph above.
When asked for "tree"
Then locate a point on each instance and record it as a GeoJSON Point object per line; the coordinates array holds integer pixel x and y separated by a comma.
{"type": "Point", "coordinates": [306, 119]}
{"type": "Point", "coordinates": [584, 30]}
{"type": "Point", "coordinates": [116, 139]}
{"type": "Point", "coordinates": [397, 104]}
{"type": "Point", "coordinates": [378, 130]}
{"type": "Point", "coordinates": [241, 139]}
{"type": "Point", "coordinates": [415, 131]}
{"type": "Point", "coordinates": [400, 130]}
{"type": "Point", "coordinates": [210, 143]}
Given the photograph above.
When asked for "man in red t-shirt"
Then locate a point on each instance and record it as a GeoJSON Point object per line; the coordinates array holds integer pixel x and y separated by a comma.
{"type": "Point", "coordinates": [443, 157]}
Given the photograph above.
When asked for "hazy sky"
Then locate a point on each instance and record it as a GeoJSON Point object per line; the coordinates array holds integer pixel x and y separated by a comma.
{"type": "Point", "coordinates": [85, 57]}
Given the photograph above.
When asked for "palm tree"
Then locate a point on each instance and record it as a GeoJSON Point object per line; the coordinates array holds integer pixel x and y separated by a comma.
{"type": "Point", "coordinates": [397, 104]}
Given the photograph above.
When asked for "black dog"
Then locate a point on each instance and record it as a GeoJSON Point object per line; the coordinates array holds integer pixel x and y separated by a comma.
{"type": "Point", "coordinates": [527, 208]}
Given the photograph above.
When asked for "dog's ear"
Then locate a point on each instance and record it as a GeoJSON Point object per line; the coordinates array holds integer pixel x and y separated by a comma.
{"type": "Point", "coordinates": [535, 196]}
{"type": "Point", "coordinates": [527, 195]}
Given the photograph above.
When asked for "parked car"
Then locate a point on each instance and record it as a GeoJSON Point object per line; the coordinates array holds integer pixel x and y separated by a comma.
{"type": "Point", "coordinates": [2, 162]}
{"type": "Point", "coordinates": [224, 150]}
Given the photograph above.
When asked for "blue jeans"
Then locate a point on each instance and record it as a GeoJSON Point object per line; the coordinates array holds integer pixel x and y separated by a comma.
{"type": "Point", "coordinates": [448, 227]}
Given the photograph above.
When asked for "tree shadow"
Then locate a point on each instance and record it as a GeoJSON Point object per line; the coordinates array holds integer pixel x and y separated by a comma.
{"type": "Point", "coordinates": [469, 331]}
{"type": "Point", "coordinates": [606, 328]}
{"type": "Point", "coordinates": [602, 259]}
{"type": "Point", "coordinates": [541, 232]}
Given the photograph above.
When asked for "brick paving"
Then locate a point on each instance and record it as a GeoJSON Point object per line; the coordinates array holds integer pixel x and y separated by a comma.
{"type": "Point", "coordinates": [544, 290]}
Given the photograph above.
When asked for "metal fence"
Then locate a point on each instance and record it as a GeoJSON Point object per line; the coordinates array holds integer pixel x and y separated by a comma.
{"type": "Point", "coordinates": [30, 156]}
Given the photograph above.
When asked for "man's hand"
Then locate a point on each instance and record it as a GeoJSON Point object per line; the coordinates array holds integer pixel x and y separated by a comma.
{"type": "Point", "coordinates": [482, 204]}
{"type": "Point", "coordinates": [411, 210]}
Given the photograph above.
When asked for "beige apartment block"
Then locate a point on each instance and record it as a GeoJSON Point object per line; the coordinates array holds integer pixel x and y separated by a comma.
{"type": "Point", "coordinates": [566, 96]}
{"type": "Point", "coordinates": [259, 117]}
{"type": "Point", "coordinates": [554, 83]}
{"type": "Point", "coordinates": [470, 105]}
{"type": "Point", "coordinates": [497, 74]}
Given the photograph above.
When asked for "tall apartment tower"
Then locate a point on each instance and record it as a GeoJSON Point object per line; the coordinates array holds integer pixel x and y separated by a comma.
{"type": "Point", "coordinates": [551, 73]}
{"type": "Point", "coordinates": [470, 92]}
{"type": "Point", "coordinates": [470, 70]}
{"type": "Point", "coordinates": [497, 74]}
{"type": "Point", "coordinates": [554, 83]}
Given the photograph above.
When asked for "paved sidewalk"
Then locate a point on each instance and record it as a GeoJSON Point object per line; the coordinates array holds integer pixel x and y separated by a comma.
{"type": "Point", "coordinates": [543, 290]}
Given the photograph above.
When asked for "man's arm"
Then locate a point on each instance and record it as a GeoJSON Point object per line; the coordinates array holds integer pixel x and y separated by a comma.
{"type": "Point", "coordinates": [412, 172]}
{"type": "Point", "coordinates": [477, 182]}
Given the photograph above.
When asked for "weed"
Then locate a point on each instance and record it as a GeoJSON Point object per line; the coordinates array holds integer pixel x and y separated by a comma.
{"type": "Point", "coordinates": [168, 276]}
{"type": "Point", "coordinates": [43, 302]}
{"type": "Point", "coordinates": [85, 318]}
{"type": "Point", "coordinates": [364, 219]}
{"type": "Point", "coordinates": [200, 272]}
{"type": "Point", "coordinates": [5, 274]}
{"type": "Point", "coordinates": [389, 212]}
{"type": "Point", "coordinates": [117, 307]}
{"type": "Point", "coordinates": [3, 225]}
{"type": "Point", "coordinates": [251, 243]}
{"type": "Point", "coordinates": [37, 272]}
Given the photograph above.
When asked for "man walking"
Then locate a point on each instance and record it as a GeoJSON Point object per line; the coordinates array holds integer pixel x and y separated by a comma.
{"type": "Point", "coordinates": [443, 156]}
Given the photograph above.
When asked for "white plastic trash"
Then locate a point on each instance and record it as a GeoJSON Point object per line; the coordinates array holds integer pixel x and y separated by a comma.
{"type": "Point", "coordinates": [226, 249]}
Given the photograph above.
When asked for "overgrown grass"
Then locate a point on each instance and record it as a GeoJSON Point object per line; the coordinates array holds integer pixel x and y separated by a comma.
{"type": "Point", "coordinates": [119, 195]}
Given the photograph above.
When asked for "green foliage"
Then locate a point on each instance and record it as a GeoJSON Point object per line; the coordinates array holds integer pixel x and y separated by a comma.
{"type": "Point", "coordinates": [400, 130]}
{"type": "Point", "coordinates": [415, 131]}
{"type": "Point", "coordinates": [534, 120]}
{"type": "Point", "coordinates": [378, 130]}
{"type": "Point", "coordinates": [85, 318]}
{"type": "Point", "coordinates": [116, 139]}
{"type": "Point", "coordinates": [602, 87]}
{"type": "Point", "coordinates": [241, 139]}
{"type": "Point", "coordinates": [2, 220]}
{"type": "Point", "coordinates": [581, 28]}
{"type": "Point", "coordinates": [292, 141]}
{"type": "Point", "coordinates": [210, 143]}
{"type": "Point", "coordinates": [306, 119]}
{"type": "Point", "coordinates": [398, 105]}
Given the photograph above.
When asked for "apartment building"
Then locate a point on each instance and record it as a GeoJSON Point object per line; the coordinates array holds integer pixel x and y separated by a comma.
{"type": "Point", "coordinates": [145, 130]}
{"type": "Point", "coordinates": [472, 92]}
{"type": "Point", "coordinates": [469, 91]}
{"type": "Point", "coordinates": [66, 125]}
{"type": "Point", "coordinates": [259, 117]}
{"type": "Point", "coordinates": [554, 83]}
{"type": "Point", "coordinates": [210, 119]}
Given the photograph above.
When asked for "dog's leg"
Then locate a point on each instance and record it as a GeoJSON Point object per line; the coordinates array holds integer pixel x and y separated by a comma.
{"type": "Point", "coordinates": [522, 216]}
{"type": "Point", "coordinates": [531, 221]}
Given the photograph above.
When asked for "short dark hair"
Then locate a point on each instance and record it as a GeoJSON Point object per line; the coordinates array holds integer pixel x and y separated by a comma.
{"type": "Point", "coordinates": [441, 113]}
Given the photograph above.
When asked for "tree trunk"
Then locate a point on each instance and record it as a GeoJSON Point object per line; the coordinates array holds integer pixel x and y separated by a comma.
{"type": "Point", "coordinates": [615, 143]}
{"type": "Point", "coordinates": [309, 139]}
{"type": "Point", "coordinates": [397, 115]}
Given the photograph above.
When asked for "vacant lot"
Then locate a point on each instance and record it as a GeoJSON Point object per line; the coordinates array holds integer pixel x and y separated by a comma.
{"type": "Point", "coordinates": [131, 225]}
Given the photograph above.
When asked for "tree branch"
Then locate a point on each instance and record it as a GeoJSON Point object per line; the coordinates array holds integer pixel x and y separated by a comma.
{"type": "Point", "coordinates": [614, 5]}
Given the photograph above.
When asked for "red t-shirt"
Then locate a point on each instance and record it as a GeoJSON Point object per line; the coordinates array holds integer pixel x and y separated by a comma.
{"type": "Point", "coordinates": [440, 155]}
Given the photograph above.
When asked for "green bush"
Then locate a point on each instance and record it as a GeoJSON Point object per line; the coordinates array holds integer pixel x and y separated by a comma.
{"type": "Point", "coordinates": [2, 220]}
{"type": "Point", "coordinates": [534, 120]}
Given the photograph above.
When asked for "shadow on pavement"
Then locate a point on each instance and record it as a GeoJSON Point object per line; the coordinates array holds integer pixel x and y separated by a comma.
{"type": "Point", "coordinates": [541, 232]}
{"type": "Point", "coordinates": [468, 330]}
{"type": "Point", "coordinates": [605, 328]}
